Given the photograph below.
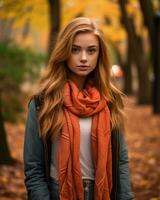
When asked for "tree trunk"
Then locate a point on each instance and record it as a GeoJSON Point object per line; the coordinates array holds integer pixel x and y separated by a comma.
{"type": "Point", "coordinates": [144, 92]}
{"type": "Point", "coordinates": [153, 25]}
{"type": "Point", "coordinates": [6, 27]}
{"type": "Point", "coordinates": [148, 17]}
{"type": "Point", "coordinates": [5, 157]}
{"type": "Point", "coordinates": [128, 71]}
{"type": "Point", "coordinates": [54, 12]}
{"type": "Point", "coordinates": [126, 68]}
{"type": "Point", "coordinates": [156, 84]}
{"type": "Point", "coordinates": [137, 56]}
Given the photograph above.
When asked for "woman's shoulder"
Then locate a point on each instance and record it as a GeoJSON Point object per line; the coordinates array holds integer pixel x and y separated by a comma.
{"type": "Point", "coordinates": [36, 102]}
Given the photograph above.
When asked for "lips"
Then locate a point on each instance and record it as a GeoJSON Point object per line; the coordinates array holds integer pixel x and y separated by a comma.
{"type": "Point", "coordinates": [82, 66]}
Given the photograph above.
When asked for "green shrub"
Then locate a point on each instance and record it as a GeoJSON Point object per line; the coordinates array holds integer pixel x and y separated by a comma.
{"type": "Point", "coordinates": [16, 65]}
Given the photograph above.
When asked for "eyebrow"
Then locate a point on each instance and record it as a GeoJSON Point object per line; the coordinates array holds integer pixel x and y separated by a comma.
{"type": "Point", "coordinates": [91, 46]}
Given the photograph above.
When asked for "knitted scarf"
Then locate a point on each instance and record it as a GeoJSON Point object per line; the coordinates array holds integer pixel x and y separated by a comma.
{"type": "Point", "coordinates": [84, 104]}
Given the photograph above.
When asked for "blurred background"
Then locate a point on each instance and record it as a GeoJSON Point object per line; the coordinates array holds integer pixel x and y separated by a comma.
{"type": "Point", "coordinates": [28, 31]}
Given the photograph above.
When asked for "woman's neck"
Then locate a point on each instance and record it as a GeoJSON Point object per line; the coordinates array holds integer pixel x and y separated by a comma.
{"type": "Point", "coordinates": [79, 81]}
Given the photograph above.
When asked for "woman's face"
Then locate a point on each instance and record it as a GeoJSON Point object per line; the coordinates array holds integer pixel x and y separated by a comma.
{"type": "Point", "coordinates": [84, 55]}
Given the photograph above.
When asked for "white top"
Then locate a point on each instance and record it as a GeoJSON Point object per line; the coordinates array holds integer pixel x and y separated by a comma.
{"type": "Point", "coordinates": [86, 161]}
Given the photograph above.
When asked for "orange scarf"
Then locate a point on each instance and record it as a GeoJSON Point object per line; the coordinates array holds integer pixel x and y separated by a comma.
{"type": "Point", "coordinates": [83, 104]}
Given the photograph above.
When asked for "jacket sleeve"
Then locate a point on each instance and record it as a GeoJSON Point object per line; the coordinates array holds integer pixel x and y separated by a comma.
{"type": "Point", "coordinates": [34, 165]}
{"type": "Point", "coordinates": [125, 192]}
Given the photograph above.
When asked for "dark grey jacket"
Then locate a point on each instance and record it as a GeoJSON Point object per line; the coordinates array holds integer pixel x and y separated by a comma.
{"type": "Point", "coordinates": [37, 162]}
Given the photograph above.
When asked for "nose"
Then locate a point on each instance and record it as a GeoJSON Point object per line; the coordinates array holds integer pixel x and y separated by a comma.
{"type": "Point", "coordinates": [83, 57]}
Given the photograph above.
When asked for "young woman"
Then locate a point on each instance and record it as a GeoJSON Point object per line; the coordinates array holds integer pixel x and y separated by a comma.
{"type": "Point", "coordinates": [74, 147]}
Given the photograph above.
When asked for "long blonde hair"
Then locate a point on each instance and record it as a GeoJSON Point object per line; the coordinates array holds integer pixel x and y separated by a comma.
{"type": "Point", "coordinates": [54, 79]}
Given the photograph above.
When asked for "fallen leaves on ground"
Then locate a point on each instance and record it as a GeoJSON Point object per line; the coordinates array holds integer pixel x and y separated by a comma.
{"type": "Point", "coordinates": [12, 177]}
{"type": "Point", "coordinates": [143, 138]}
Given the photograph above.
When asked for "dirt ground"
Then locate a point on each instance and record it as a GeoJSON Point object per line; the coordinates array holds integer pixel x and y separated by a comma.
{"type": "Point", "coordinates": [143, 138]}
